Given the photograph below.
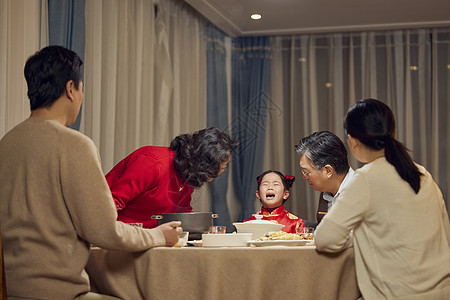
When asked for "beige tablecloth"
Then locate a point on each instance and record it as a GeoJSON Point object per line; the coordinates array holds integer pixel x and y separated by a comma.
{"type": "Point", "coordinates": [224, 273]}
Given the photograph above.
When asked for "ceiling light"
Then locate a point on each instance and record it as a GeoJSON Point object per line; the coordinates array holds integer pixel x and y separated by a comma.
{"type": "Point", "coordinates": [255, 16]}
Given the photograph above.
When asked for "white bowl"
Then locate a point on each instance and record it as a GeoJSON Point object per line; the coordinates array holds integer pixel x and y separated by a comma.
{"type": "Point", "coordinates": [257, 227]}
{"type": "Point", "coordinates": [226, 239]}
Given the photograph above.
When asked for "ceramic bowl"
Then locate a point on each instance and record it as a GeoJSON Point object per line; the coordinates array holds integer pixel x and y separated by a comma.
{"type": "Point", "coordinates": [257, 227]}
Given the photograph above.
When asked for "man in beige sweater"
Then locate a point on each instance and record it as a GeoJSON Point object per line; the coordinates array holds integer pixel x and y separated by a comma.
{"type": "Point", "coordinates": [54, 199]}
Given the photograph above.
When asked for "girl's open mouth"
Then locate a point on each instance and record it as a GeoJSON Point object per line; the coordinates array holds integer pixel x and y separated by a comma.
{"type": "Point", "coordinates": [270, 196]}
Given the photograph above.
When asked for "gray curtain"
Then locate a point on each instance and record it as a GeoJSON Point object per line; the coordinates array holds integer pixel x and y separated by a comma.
{"type": "Point", "coordinates": [250, 93]}
{"type": "Point", "coordinates": [316, 78]}
{"type": "Point", "coordinates": [66, 28]}
{"type": "Point", "coordinates": [217, 116]}
{"type": "Point", "coordinates": [438, 162]}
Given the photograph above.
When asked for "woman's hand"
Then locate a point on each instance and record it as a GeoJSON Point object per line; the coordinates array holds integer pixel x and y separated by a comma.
{"type": "Point", "coordinates": [171, 231]}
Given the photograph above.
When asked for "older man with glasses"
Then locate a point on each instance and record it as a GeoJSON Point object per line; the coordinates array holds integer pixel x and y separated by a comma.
{"type": "Point", "coordinates": [324, 164]}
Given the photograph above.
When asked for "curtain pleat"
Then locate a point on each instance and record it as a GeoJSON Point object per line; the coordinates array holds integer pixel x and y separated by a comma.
{"type": "Point", "coordinates": [250, 98]}
{"type": "Point", "coordinates": [66, 28]}
{"type": "Point", "coordinates": [439, 138]}
{"type": "Point", "coordinates": [217, 91]}
{"type": "Point", "coordinates": [145, 75]}
{"type": "Point", "coordinates": [23, 31]}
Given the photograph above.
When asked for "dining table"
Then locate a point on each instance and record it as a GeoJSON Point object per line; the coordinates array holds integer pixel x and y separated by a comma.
{"type": "Point", "coordinates": [272, 272]}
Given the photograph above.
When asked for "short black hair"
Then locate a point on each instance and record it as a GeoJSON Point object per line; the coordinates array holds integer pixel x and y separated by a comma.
{"type": "Point", "coordinates": [48, 71]}
{"type": "Point", "coordinates": [324, 148]}
{"type": "Point", "coordinates": [199, 156]}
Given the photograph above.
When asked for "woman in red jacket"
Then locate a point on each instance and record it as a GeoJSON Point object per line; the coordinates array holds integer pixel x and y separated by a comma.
{"type": "Point", "coordinates": [156, 180]}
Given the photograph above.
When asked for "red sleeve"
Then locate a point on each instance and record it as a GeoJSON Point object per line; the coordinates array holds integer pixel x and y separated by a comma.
{"type": "Point", "coordinates": [300, 223]}
{"type": "Point", "coordinates": [130, 179]}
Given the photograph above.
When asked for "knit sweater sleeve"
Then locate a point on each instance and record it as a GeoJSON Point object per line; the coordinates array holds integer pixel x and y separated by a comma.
{"type": "Point", "coordinates": [90, 204]}
{"type": "Point", "coordinates": [445, 218]}
{"type": "Point", "coordinates": [333, 232]}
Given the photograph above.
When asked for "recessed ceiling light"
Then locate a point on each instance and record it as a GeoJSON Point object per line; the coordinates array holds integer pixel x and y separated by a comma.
{"type": "Point", "coordinates": [255, 16]}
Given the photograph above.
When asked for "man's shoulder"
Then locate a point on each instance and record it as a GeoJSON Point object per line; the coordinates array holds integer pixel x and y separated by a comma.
{"type": "Point", "coordinates": [45, 130]}
{"type": "Point", "coordinates": [70, 140]}
{"type": "Point", "coordinates": [74, 138]}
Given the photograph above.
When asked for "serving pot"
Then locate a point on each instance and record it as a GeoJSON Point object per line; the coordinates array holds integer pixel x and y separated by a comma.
{"type": "Point", "coordinates": [196, 223]}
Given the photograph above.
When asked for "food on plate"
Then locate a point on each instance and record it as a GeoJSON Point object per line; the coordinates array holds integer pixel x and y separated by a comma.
{"type": "Point", "coordinates": [280, 235]}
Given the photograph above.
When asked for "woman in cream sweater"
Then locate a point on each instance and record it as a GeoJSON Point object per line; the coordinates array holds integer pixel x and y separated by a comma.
{"type": "Point", "coordinates": [401, 230]}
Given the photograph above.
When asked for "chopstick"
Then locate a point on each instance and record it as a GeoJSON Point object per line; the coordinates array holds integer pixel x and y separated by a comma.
{"type": "Point", "coordinates": [322, 213]}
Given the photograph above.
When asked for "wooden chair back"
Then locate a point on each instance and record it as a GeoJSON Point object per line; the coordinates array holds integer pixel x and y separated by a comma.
{"type": "Point", "coordinates": [2, 274]}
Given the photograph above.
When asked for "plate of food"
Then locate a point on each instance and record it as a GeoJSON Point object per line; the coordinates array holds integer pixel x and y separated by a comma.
{"type": "Point", "coordinates": [279, 238]}
{"type": "Point", "coordinates": [259, 243]}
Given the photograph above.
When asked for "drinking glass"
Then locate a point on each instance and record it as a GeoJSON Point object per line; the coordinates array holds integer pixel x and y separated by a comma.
{"type": "Point", "coordinates": [183, 239]}
{"type": "Point", "coordinates": [218, 229]}
{"type": "Point", "coordinates": [306, 233]}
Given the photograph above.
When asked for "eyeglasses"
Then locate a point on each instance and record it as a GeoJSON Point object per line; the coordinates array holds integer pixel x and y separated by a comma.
{"type": "Point", "coordinates": [306, 173]}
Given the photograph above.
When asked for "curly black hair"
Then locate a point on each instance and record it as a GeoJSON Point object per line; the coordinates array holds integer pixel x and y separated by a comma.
{"type": "Point", "coordinates": [199, 156]}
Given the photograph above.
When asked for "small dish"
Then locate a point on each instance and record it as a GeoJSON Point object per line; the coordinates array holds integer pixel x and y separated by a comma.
{"type": "Point", "coordinates": [196, 243]}
{"type": "Point", "coordinates": [226, 240]}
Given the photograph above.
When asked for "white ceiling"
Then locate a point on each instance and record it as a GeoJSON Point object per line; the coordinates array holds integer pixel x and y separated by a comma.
{"type": "Point", "coordinates": [310, 16]}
